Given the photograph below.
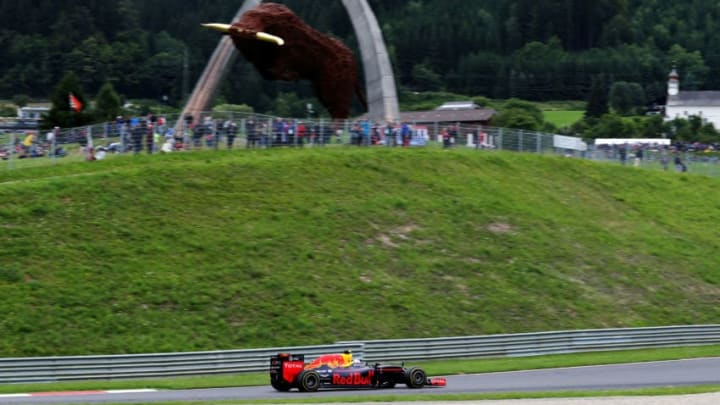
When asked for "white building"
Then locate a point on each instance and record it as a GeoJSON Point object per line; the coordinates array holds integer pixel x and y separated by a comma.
{"type": "Point", "coordinates": [31, 113]}
{"type": "Point", "coordinates": [684, 104]}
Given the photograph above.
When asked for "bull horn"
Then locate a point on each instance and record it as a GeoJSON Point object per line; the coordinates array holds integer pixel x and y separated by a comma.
{"type": "Point", "coordinates": [224, 28]}
{"type": "Point", "coordinates": [264, 36]}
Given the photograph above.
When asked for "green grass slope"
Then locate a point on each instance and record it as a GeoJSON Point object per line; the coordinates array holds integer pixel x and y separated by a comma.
{"type": "Point", "coordinates": [291, 247]}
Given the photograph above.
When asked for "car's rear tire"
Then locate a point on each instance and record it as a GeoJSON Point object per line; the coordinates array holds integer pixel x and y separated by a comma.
{"type": "Point", "coordinates": [309, 381]}
{"type": "Point", "coordinates": [415, 377]}
{"type": "Point", "coordinates": [281, 386]}
{"type": "Point", "coordinates": [387, 384]}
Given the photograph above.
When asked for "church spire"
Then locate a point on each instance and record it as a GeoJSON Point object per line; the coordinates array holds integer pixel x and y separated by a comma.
{"type": "Point", "coordinates": [673, 82]}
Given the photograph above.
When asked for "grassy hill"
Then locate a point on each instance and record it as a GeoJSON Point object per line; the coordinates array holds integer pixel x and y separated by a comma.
{"type": "Point", "coordinates": [285, 247]}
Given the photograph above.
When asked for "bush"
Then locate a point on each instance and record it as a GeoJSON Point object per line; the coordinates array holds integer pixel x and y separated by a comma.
{"type": "Point", "coordinates": [10, 275]}
{"type": "Point", "coordinates": [7, 111]}
{"type": "Point", "coordinates": [627, 98]}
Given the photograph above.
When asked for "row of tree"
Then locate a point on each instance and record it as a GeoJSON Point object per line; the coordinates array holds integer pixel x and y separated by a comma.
{"type": "Point", "coordinates": [540, 49]}
{"type": "Point", "coordinates": [534, 50]}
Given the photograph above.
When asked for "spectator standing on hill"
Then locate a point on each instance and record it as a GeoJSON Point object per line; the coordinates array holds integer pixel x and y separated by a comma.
{"type": "Point", "coordinates": [290, 128]}
{"type": "Point", "coordinates": [445, 135]}
{"type": "Point", "coordinates": [388, 134]}
{"type": "Point", "coordinates": [120, 128]}
{"type": "Point", "coordinates": [252, 136]}
{"type": "Point", "coordinates": [664, 159]}
{"type": "Point", "coordinates": [150, 138]}
{"type": "Point", "coordinates": [638, 155]}
{"type": "Point", "coordinates": [356, 134]}
{"type": "Point", "coordinates": [405, 134]}
{"type": "Point", "coordinates": [453, 134]}
{"type": "Point", "coordinates": [231, 133]}
{"type": "Point", "coordinates": [157, 138]}
{"type": "Point", "coordinates": [198, 132]}
{"type": "Point", "coordinates": [679, 165]}
{"type": "Point", "coordinates": [365, 126]}
{"type": "Point", "coordinates": [277, 132]}
{"type": "Point", "coordinates": [300, 133]}
{"type": "Point", "coordinates": [622, 151]}
{"type": "Point", "coordinates": [52, 136]}
{"type": "Point", "coordinates": [137, 134]}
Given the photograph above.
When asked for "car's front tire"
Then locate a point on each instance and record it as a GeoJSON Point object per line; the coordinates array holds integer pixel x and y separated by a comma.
{"type": "Point", "coordinates": [415, 378]}
{"type": "Point", "coordinates": [309, 381]}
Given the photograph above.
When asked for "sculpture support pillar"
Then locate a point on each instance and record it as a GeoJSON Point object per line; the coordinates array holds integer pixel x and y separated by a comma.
{"type": "Point", "coordinates": [215, 71]}
{"type": "Point", "coordinates": [379, 78]}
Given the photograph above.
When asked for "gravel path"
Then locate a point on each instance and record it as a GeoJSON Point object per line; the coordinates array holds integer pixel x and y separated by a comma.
{"type": "Point", "coordinates": [695, 399]}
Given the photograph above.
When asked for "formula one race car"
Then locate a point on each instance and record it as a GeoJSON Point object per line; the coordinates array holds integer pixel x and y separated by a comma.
{"type": "Point", "coordinates": [289, 371]}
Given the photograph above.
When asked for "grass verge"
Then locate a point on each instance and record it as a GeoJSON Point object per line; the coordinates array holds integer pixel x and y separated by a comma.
{"type": "Point", "coordinates": [445, 367]}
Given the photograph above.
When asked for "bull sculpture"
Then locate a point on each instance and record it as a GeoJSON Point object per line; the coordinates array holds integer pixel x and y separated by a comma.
{"type": "Point", "coordinates": [282, 46]}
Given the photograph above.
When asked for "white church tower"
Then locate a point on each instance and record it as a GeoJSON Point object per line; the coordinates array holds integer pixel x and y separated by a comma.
{"type": "Point", "coordinates": [673, 83]}
{"type": "Point", "coordinates": [704, 104]}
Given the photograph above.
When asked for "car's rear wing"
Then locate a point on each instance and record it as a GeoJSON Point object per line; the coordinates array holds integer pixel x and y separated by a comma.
{"type": "Point", "coordinates": [284, 367]}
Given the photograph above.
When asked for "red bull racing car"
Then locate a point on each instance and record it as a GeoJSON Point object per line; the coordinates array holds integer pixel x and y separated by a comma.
{"type": "Point", "coordinates": [289, 371]}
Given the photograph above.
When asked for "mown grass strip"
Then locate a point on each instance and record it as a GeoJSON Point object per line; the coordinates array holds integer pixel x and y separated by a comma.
{"type": "Point", "coordinates": [450, 367]}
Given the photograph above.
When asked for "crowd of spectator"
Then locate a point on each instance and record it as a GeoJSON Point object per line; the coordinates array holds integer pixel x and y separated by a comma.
{"type": "Point", "coordinates": [677, 153]}
{"type": "Point", "coordinates": [29, 144]}
{"type": "Point", "coordinates": [157, 134]}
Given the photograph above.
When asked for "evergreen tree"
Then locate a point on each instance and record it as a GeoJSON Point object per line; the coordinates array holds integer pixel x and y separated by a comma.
{"type": "Point", "coordinates": [627, 98]}
{"type": "Point", "coordinates": [540, 49]}
{"type": "Point", "coordinates": [107, 103]}
{"type": "Point", "coordinates": [598, 102]}
{"type": "Point", "coordinates": [21, 100]}
{"type": "Point", "coordinates": [426, 79]}
{"type": "Point", "coordinates": [61, 113]}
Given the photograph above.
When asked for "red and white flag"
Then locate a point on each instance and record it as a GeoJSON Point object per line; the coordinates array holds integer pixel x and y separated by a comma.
{"type": "Point", "coordinates": [75, 104]}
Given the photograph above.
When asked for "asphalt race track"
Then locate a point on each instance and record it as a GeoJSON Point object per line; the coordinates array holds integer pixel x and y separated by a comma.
{"type": "Point", "coordinates": [625, 376]}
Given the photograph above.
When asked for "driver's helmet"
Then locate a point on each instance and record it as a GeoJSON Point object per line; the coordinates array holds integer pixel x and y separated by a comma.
{"type": "Point", "coordinates": [356, 363]}
{"type": "Point", "coordinates": [347, 358]}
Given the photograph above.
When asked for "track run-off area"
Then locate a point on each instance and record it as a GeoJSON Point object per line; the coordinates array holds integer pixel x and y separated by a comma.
{"type": "Point", "coordinates": [676, 373]}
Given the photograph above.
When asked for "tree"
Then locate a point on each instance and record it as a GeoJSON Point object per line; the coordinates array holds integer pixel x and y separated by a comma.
{"type": "Point", "coordinates": [530, 108]}
{"type": "Point", "coordinates": [21, 100]}
{"type": "Point", "coordinates": [107, 103]}
{"type": "Point", "coordinates": [652, 127]}
{"type": "Point", "coordinates": [426, 79]}
{"type": "Point", "coordinates": [61, 114]}
{"type": "Point", "coordinates": [612, 126]}
{"type": "Point", "coordinates": [692, 129]}
{"type": "Point", "coordinates": [627, 98]}
{"type": "Point", "coordinates": [233, 108]}
{"type": "Point", "coordinates": [519, 114]}
{"type": "Point", "coordinates": [516, 118]}
{"type": "Point", "coordinates": [691, 66]}
{"type": "Point", "coordinates": [598, 102]}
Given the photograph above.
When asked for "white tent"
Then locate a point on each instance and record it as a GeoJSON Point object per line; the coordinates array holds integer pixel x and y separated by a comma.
{"type": "Point", "coordinates": [632, 141]}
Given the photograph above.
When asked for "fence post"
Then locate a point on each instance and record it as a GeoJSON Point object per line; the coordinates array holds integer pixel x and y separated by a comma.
{"type": "Point", "coordinates": [185, 128]}
{"type": "Point", "coordinates": [243, 129]}
{"type": "Point", "coordinates": [538, 143]}
{"type": "Point", "coordinates": [521, 139]}
{"type": "Point", "coordinates": [53, 144]}
{"type": "Point", "coordinates": [346, 127]}
{"type": "Point", "coordinates": [11, 150]}
{"type": "Point", "coordinates": [500, 139]}
{"type": "Point", "coordinates": [215, 134]}
{"type": "Point", "coordinates": [90, 147]}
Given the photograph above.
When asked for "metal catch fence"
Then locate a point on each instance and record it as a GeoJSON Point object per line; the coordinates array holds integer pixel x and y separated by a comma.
{"type": "Point", "coordinates": [227, 130]}
{"type": "Point", "coordinates": [50, 369]}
